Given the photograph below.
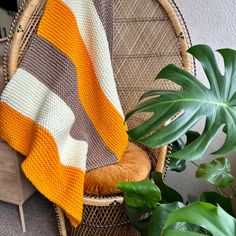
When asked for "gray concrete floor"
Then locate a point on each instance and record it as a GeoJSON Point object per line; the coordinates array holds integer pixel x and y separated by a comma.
{"type": "Point", "coordinates": [40, 218]}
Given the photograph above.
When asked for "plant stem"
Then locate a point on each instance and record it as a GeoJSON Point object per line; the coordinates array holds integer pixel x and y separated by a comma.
{"type": "Point", "coordinates": [233, 189]}
{"type": "Point", "coordinates": [194, 163]}
{"type": "Point", "coordinates": [218, 190]}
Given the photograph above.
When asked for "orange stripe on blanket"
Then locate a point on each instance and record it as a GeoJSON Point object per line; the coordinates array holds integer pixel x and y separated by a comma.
{"type": "Point", "coordinates": [59, 27]}
{"type": "Point", "coordinates": [61, 184]}
{"type": "Point", "coordinates": [19, 138]}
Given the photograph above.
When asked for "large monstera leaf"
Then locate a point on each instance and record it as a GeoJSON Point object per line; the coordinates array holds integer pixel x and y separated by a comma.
{"type": "Point", "coordinates": [195, 101]}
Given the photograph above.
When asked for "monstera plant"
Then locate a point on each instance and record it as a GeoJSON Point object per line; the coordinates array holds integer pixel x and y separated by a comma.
{"type": "Point", "coordinates": [153, 207]}
{"type": "Point", "coordinates": [195, 100]}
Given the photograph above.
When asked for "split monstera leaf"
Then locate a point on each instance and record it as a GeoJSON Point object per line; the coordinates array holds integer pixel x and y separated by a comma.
{"type": "Point", "coordinates": [194, 101]}
{"type": "Point", "coordinates": [165, 213]}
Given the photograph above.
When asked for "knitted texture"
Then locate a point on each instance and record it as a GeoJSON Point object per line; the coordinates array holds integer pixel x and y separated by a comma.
{"type": "Point", "coordinates": [61, 108]}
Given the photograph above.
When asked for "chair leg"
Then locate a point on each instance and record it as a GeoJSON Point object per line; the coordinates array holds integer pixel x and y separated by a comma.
{"type": "Point", "coordinates": [22, 218]}
{"type": "Point", "coordinates": [60, 220]}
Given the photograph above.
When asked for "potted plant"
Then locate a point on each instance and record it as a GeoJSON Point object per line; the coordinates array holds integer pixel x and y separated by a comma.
{"type": "Point", "coordinates": [153, 207]}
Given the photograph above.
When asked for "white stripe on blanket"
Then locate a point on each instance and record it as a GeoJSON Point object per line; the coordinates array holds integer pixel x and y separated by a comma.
{"type": "Point", "coordinates": [34, 100]}
{"type": "Point", "coordinates": [94, 36]}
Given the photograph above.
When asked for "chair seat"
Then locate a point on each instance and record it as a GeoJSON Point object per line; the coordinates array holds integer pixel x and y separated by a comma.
{"type": "Point", "coordinates": [134, 166]}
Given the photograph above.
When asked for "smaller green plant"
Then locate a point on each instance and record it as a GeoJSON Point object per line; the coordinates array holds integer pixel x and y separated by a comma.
{"type": "Point", "coordinates": [153, 207]}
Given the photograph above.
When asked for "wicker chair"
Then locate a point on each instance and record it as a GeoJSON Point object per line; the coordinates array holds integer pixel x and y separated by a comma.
{"type": "Point", "coordinates": [146, 37]}
{"type": "Point", "coordinates": [2, 44]}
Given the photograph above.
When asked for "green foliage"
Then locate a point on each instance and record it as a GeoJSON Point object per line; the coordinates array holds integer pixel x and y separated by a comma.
{"type": "Point", "coordinates": [210, 217]}
{"type": "Point", "coordinates": [217, 172]}
{"type": "Point", "coordinates": [195, 101]}
{"type": "Point", "coordinates": [168, 194]}
{"type": "Point", "coordinates": [177, 145]}
{"type": "Point", "coordinates": [179, 165]}
{"type": "Point", "coordinates": [161, 215]}
{"type": "Point", "coordinates": [175, 164]}
{"type": "Point", "coordinates": [149, 214]}
{"type": "Point", "coordinates": [180, 233]}
{"type": "Point", "coordinates": [191, 136]}
{"type": "Point", "coordinates": [139, 194]}
{"type": "Point", "coordinates": [155, 208]}
{"type": "Point", "coordinates": [217, 199]}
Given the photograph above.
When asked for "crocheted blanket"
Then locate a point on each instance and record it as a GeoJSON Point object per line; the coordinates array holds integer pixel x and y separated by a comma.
{"type": "Point", "coordinates": [61, 108]}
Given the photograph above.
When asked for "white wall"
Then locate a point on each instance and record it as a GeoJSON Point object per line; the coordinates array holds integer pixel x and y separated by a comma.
{"type": "Point", "coordinates": [211, 22]}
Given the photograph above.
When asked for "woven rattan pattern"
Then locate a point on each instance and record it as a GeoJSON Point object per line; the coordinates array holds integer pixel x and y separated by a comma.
{"type": "Point", "coordinates": [110, 220]}
{"type": "Point", "coordinates": [144, 42]}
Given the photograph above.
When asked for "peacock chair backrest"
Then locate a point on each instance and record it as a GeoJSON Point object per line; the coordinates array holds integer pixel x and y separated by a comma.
{"type": "Point", "coordinates": [146, 37]}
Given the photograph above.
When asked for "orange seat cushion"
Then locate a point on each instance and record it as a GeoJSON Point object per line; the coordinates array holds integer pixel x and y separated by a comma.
{"type": "Point", "coordinates": [134, 166]}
